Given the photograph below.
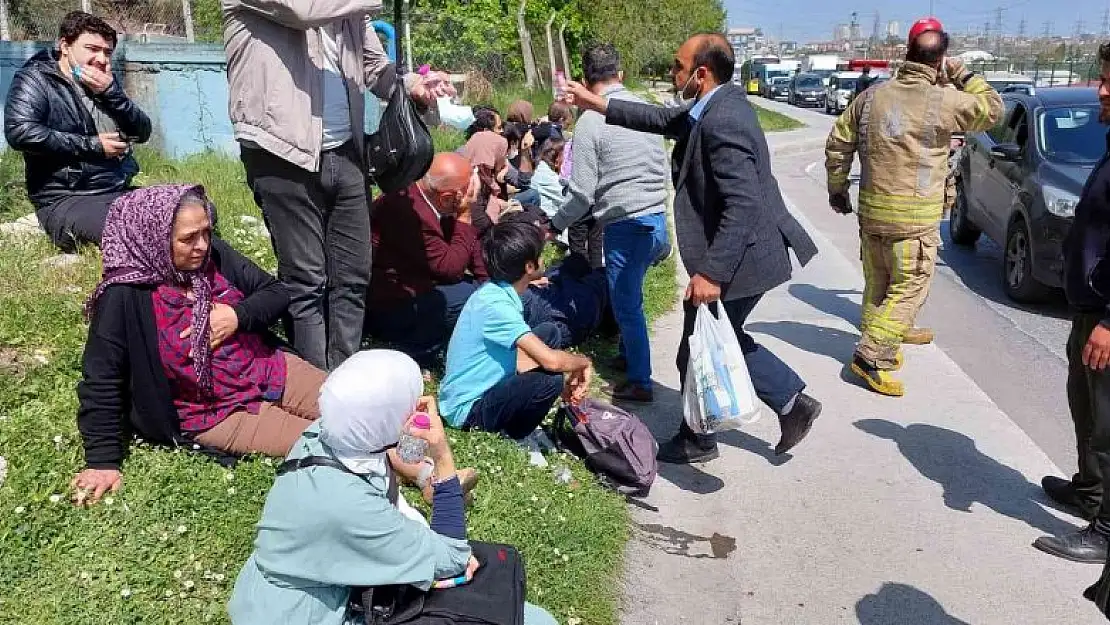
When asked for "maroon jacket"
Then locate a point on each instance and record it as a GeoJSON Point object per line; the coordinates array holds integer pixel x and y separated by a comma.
{"type": "Point", "coordinates": [415, 249]}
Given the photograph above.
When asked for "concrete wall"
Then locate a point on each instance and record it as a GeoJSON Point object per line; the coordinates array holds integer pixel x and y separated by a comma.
{"type": "Point", "coordinates": [182, 87]}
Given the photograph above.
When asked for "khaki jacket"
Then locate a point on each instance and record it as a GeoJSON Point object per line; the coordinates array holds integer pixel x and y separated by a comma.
{"type": "Point", "coordinates": [901, 131]}
{"type": "Point", "coordinates": [274, 61]}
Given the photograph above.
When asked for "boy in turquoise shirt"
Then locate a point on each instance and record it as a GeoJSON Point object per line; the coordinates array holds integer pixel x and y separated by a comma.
{"type": "Point", "coordinates": [502, 376]}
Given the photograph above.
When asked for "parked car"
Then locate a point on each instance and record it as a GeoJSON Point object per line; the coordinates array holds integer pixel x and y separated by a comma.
{"type": "Point", "coordinates": [1026, 89]}
{"type": "Point", "coordinates": [1001, 81]}
{"type": "Point", "coordinates": [842, 86]}
{"type": "Point", "coordinates": [806, 90]}
{"type": "Point", "coordinates": [1020, 181]}
{"type": "Point", "coordinates": [778, 88]}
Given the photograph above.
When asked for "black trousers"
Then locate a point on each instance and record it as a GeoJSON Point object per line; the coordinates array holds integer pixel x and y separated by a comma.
{"type": "Point", "coordinates": [1089, 401]}
{"type": "Point", "coordinates": [320, 227]}
{"type": "Point", "coordinates": [421, 326]}
{"type": "Point", "coordinates": [77, 219]}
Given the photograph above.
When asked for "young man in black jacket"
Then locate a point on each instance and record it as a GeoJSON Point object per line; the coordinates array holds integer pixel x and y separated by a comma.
{"type": "Point", "coordinates": [1087, 284]}
{"type": "Point", "coordinates": [74, 125]}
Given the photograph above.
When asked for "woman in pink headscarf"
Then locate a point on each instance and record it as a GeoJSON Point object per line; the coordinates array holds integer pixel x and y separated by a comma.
{"type": "Point", "coordinates": [179, 349]}
{"type": "Point", "coordinates": [488, 152]}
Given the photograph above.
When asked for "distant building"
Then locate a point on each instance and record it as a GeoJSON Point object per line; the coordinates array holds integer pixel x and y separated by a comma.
{"type": "Point", "coordinates": [893, 30]}
{"type": "Point", "coordinates": [842, 32]}
{"type": "Point", "coordinates": [745, 41]}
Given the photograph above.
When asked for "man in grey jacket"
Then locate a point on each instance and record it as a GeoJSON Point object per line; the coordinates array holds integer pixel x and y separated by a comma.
{"type": "Point", "coordinates": [622, 174]}
{"type": "Point", "coordinates": [297, 72]}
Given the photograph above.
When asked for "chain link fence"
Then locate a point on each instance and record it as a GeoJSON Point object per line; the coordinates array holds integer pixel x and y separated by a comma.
{"type": "Point", "coordinates": [142, 20]}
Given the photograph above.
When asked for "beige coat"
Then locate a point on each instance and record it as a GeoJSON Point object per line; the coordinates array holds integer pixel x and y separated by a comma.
{"type": "Point", "coordinates": [901, 131]}
{"type": "Point", "coordinates": [274, 65]}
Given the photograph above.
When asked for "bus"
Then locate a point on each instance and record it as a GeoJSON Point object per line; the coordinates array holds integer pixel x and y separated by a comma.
{"type": "Point", "coordinates": [752, 71]}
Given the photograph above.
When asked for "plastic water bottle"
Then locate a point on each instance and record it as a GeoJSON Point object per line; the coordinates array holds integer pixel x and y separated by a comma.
{"type": "Point", "coordinates": [410, 448]}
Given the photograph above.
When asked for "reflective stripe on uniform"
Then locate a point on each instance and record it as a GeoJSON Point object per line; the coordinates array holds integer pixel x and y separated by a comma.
{"type": "Point", "coordinates": [900, 209]}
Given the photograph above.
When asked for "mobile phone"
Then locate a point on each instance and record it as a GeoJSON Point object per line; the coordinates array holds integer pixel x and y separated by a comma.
{"type": "Point", "coordinates": [560, 84]}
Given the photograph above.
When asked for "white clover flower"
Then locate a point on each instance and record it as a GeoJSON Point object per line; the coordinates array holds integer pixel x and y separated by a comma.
{"type": "Point", "coordinates": [520, 484]}
{"type": "Point", "coordinates": [20, 509]}
{"type": "Point", "coordinates": [556, 551]}
{"type": "Point", "coordinates": [55, 498]}
{"type": "Point", "coordinates": [562, 519]}
{"type": "Point", "coordinates": [125, 593]}
{"type": "Point", "coordinates": [231, 491]}
{"type": "Point", "coordinates": [181, 529]}
{"type": "Point", "coordinates": [164, 537]}
{"type": "Point", "coordinates": [196, 447]}
{"type": "Point", "coordinates": [58, 441]}
{"type": "Point", "coordinates": [535, 498]}
{"type": "Point", "coordinates": [168, 594]}
{"type": "Point", "coordinates": [109, 501]}
{"type": "Point", "coordinates": [85, 575]}
{"type": "Point", "coordinates": [219, 577]}
{"type": "Point", "coordinates": [268, 462]}
{"type": "Point", "coordinates": [3, 469]}
{"type": "Point", "coordinates": [566, 558]}
{"type": "Point", "coordinates": [574, 621]}
{"type": "Point", "coordinates": [177, 574]}
{"type": "Point", "coordinates": [229, 476]}
{"type": "Point", "coordinates": [197, 567]}
{"type": "Point", "coordinates": [570, 495]}
{"type": "Point", "coordinates": [188, 584]}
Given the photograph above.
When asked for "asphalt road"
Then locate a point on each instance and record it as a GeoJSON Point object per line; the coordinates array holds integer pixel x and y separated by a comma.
{"type": "Point", "coordinates": [1015, 353]}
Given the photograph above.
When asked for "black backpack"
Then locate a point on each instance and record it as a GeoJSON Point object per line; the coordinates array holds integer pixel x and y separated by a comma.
{"type": "Point", "coordinates": [401, 151]}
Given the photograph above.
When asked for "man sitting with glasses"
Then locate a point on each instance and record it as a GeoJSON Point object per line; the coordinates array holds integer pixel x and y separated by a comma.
{"type": "Point", "coordinates": [426, 259]}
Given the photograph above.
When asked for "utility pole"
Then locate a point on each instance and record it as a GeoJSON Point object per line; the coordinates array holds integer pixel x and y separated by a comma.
{"type": "Point", "coordinates": [1078, 29]}
{"type": "Point", "coordinates": [1048, 28]}
{"type": "Point", "coordinates": [5, 29]}
{"type": "Point", "coordinates": [1021, 28]}
{"type": "Point", "coordinates": [998, 31]}
{"type": "Point", "coordinates": [187, 15]}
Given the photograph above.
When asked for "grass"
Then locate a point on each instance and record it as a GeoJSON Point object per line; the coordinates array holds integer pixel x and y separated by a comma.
{"type": "Point", "coordinates": [772, 121]}
{"type": "Point", "coordinates": [167, 548]}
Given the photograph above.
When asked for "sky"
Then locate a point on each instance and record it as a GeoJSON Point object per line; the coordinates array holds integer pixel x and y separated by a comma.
{"type": "Point", "coordinates": [807, 20]}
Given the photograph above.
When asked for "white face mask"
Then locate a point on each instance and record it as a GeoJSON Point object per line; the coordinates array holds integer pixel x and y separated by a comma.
{"type": "Point", "coordinates": [680, 97]}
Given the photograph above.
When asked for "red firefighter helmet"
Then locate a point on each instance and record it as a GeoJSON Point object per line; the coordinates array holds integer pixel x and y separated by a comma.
{"type": "Point", "coordinates": [925, 25]}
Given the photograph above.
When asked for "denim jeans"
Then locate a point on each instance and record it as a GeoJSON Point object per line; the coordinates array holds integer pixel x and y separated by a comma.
{"type": "Point", "coordinates": [320, 227]}
{"type": "Point", "coordinates": [421, 326]}
{"type": "Point", "coordinates": [631, 246]}
{"type": "Point", "coordinates": [517, 404]}
{"type": "Point", "coordinates": [774, 381]}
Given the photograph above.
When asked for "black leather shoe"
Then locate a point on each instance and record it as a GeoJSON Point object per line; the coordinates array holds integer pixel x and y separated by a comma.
{"type": "Point", "coordinates": [683, 450]}
{"type": "Point", "coordinates": [796, 424]}
{"type": "Point", "coordinates": [635, 393]}
{"type": "Point", "coordinates": [1063, 493]}
{"type": "Point", "coordinates": [1086, 546]}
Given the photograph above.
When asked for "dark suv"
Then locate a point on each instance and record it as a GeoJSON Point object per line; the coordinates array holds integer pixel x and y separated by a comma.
{"type": "Point", "coordinates": [806, 90]}
{"type": "Point", "coordinates": [1019, 183]}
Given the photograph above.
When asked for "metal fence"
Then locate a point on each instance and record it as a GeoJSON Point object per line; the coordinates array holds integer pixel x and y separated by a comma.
{"type": "Point", "coordinates": [1072, 73]}
{"type": "Point", "coordinates": [143, 20]}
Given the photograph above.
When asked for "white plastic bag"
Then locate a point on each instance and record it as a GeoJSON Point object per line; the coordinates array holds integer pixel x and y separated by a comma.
{"type": "Point", "coordinates": [719, 394]}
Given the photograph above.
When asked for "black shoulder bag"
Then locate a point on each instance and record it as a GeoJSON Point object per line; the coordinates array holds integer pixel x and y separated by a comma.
{"type": "Point", "coordinates": [401, 151]}
{"type": "Point", "coordinates": [494, 597]}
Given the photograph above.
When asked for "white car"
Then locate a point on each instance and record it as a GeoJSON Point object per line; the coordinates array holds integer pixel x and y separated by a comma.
{"type": "Point", "coordinates": [839, 92]}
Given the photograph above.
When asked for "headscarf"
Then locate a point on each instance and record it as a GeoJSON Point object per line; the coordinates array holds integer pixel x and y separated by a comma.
{"type": "Point", "coordinates": [520, 112]}
{"type": "Point", "coordinates": [136, 249]}
{"type": "Point", "coordinates": [486, 149]}
{"type": "Point", "coordinates": [363, 405]}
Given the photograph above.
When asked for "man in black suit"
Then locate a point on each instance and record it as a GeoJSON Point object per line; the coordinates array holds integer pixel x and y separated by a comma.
{"type": "Point", "coordinates": [733, 227]}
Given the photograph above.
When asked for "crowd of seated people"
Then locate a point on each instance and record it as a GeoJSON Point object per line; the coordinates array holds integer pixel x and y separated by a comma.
{"type": "Point", "coordinates": [180, 348]}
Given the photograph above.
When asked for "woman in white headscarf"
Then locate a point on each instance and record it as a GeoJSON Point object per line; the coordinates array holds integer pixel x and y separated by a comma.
{"type": "Point", "coordinates": [325, 530]}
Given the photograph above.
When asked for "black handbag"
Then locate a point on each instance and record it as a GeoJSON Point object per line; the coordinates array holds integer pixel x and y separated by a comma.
{"type": "Point", "coordinates": [401, 151]}
{"type": "Point", "coordinates": [494, 597]}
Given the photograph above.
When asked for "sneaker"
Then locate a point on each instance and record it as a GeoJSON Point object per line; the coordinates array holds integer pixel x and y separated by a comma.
{"type": "Point", "coordinates": [880, 381]}
{"type": "Point", "coordinates": [899, 360]}
{"type": "Point", "coordinates": [635, 393]}
{"type": "Point", "coordinates": [682, 450]}
{"type": "Point", "coordinates": [918, 336]}
{"type": "Point", "coordinates": [535, 453]}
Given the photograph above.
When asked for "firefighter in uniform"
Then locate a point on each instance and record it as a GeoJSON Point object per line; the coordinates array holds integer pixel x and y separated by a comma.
{"type": "Point", "coordinates": [901, 131]}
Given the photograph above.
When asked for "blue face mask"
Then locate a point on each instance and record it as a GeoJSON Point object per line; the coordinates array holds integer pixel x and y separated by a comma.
{"type": "Point", "coordinates": [76, 72]}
